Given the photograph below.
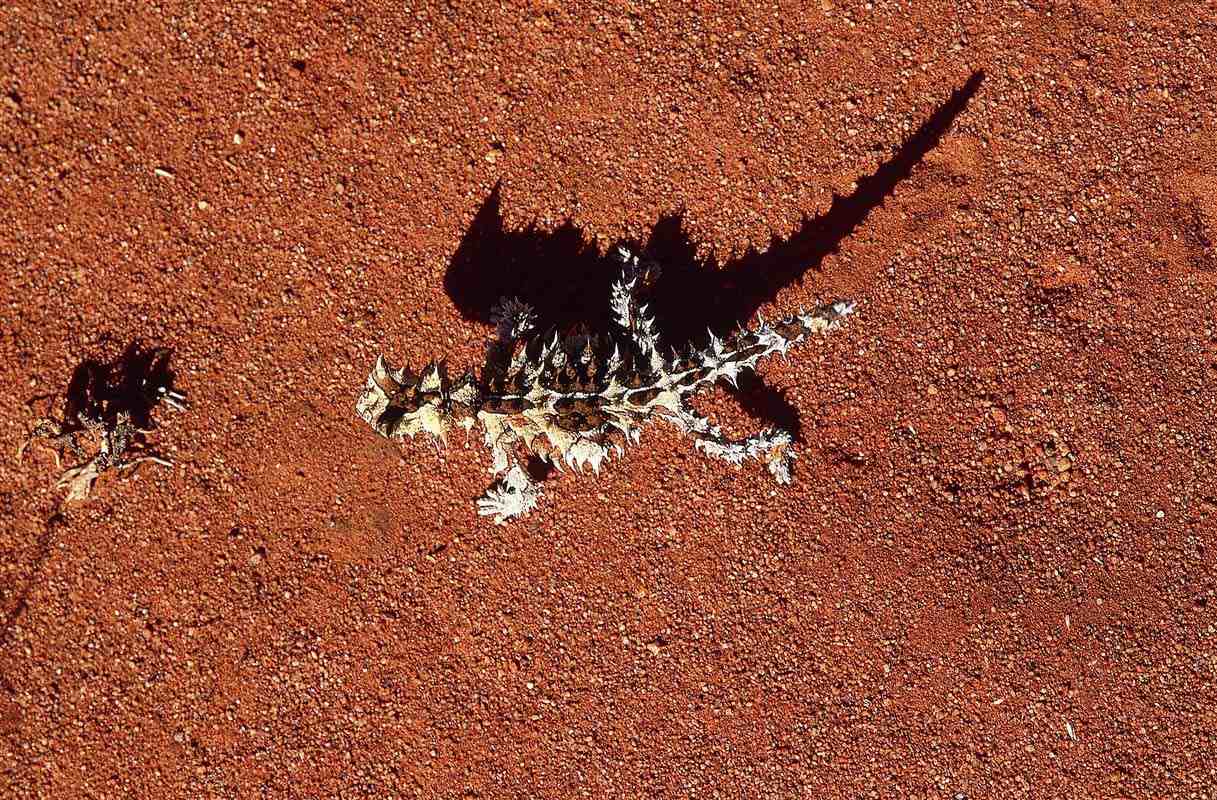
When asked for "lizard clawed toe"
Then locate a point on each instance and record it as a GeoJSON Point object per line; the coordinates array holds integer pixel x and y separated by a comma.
{"type": "Point", "coordinates": [513, 495]}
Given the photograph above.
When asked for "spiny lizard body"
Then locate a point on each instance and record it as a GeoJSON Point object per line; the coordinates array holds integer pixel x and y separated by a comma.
{"type": "Point", "coordinates": [577, 398]}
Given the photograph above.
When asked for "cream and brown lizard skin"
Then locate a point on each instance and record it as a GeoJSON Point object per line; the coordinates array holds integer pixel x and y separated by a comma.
{"type": "Point", "coordinates": [576, 398]}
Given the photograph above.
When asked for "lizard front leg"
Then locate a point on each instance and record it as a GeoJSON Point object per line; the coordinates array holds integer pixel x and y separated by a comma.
{"type": "Point", "coordinates": [773, 447]}
{"type": "Point", "coordinates": [512, 318]}
{"type": "Point", "coordinates": [515, 493]}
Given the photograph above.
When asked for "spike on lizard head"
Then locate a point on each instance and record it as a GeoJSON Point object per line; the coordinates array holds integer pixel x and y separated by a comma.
{"type": "Point", "coordinates": [398, 404]}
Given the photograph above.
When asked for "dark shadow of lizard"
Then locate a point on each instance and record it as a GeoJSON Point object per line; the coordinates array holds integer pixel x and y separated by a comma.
{"type": "Point", "coordinates": [567, 279]}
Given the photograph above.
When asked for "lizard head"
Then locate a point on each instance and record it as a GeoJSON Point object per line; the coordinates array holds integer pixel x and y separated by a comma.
{"type": "Point", "coordinates": [397, 403]}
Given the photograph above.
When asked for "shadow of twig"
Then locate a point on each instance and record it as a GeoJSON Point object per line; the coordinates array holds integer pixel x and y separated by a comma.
{"type": "Point", "coordinates": [133, 383]}
{"type": "Point", "coordinates": [10, 615]}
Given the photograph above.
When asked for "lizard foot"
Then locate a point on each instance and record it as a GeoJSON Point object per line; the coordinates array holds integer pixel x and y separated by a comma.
{"type": "Point", "coordinates": [774, 447]}
{"type": "Point", "coordinates": [514, 495]}
{"type": "Point", "coordinates": [512, 318]}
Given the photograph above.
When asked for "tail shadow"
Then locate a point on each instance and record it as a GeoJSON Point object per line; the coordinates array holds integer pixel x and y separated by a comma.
{"type": "Point", "coordinates": [567, 279]}
{"type": "Point", "coordinates": [690, 295]}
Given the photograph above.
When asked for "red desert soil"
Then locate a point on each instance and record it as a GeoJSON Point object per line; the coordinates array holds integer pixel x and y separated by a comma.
{"type": "Point", "coordinates": [993, 575]}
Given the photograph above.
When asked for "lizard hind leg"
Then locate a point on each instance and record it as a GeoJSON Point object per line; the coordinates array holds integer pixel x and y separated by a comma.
{"type": "Point", "coordinates": [515, 493]}
{"type": "Point", "coordinates": [773, 447]}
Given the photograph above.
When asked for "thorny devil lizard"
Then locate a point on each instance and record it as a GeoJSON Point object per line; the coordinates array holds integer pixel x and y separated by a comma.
{"type": "Point", "coordinates": [575, 398]}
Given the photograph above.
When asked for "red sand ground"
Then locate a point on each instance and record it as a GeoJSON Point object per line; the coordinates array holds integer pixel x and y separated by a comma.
{"type": "Point", "coordinates": [993, 576]}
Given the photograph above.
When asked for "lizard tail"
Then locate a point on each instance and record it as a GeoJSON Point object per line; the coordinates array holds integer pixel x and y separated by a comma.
{"type": "Point", "coordinates": [727, 358]}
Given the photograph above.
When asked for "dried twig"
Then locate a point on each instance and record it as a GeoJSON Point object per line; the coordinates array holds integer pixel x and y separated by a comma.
{"type": "Point", "coordinates": [101, 435]}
